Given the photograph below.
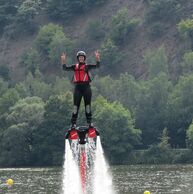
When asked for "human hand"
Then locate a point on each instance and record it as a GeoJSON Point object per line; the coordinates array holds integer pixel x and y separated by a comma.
{"type": "Point", "coordinates": [97, 55]}
{"type": "Point", "coordinates": [63, 58]}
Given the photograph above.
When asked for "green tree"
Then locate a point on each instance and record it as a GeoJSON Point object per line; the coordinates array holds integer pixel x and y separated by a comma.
{"type": "Point", "coordinates": [3, 86]}
{"type": "Point", "coordinates": [5, 72]}
{"type": "Point", "coordinates": [45, 37]}
{"type": "Point", "coordinates": [95, 30]}
{"type": "Point", "coordinates": [29, 110]}
{"type": "Point", "coordinates": [60, 43]}
{"type": "Point", "coordinates": [105, 86]}
{"type": "Point", "coordinates": [26, 13]}
{"type": "Point", "coordinates": [180, 114]}
{"type": "Point", "coordinates": [8, 99]}
{"type": "Point", "coordinates": [8, 11]}
{"type": "Point", "coordinates": [35, 86]}
{"type": "Point", "coordinates": [23, 118]}
{"type": "Point", "coordinates": [189, 135]}
{"type": "Point", "coordinates": [61, 86]}
{"type": "Point", "coordinates": [185, 27]}
{"type": "Point", "coordinates": [111, 57]}
{"type": "Point", "coordinates": [30, 60]}
{"type": "Point", "coordinates": [48, 144]}
{"type": "Point", "coordinates": [151, 110]}
{"type": "Point", "coordinates": [50, 42]}
{"type": "Point", "coordinates": [157, 62]}
{"type": "Point", "coordinates": [121, 26]}
{"type": "Point", "coordinates": [164, 10]}
{"type": "Point", "coordinates": [15, 151]}
{"type": "Point", "coordinates": [63, 10]}
{"type": "Point", "coordinates": [127, 89]}
{"type": "Point", "coordinates": [117, 129]}
{"type": "Point", "coordinates": [187, 63]}
{"type": "Point", "coordinates": [28, 9]}
{"type": "Point", "coordinates": [164, 143]}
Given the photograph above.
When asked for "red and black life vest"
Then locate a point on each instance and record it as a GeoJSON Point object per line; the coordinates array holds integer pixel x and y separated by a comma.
{"type": "Point", "coordinates": [81, 74]}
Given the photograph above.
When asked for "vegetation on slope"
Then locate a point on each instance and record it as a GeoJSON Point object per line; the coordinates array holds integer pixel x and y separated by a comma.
{"type": "Point", "coordinates": [154, 111]}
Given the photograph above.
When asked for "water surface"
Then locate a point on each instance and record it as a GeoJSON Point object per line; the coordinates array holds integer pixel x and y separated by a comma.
{"type": "Point", "coordinates": [160, 179]}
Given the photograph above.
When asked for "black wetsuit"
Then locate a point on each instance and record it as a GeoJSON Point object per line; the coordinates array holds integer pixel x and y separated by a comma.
{"type": "Point", "coordinates": [82, 89]}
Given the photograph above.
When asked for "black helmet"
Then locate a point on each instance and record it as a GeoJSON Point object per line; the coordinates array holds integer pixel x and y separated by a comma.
{"type": "Point", "coordinates": [81, 53]}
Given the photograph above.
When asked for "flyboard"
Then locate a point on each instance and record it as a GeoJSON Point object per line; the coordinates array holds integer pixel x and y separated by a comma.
{"type": "Point", "coordinates": [83, 145]}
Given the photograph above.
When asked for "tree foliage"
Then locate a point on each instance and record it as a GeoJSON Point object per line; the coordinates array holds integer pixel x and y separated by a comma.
{"type": "Point", "coordinates": [110, 56]}
{"type": "Point", "coordinates": [63, 10]}
{"type": "Point", "coordinates": [116, 122]}
{"type": "Point", "coordinates": [28, 10]}
{"type": "Point", "coordinates": [22, 119]}
{"type": "Point", "coordinates": [164, 10]}
{"type": "Point", "coordinates": [187, 63]}
{"type": "Point", "coordinates": [51, 42]}
{"type": "Point", "coordinates": [8, 11]}
{"type": "Point", "coordinates": [180, 110]}
{"type": "Point", "coordinates": [189, 135]}
{"type": "Point", "coordinates": [157, 62]}
{"type": "Point", "coordinates": [48, 145]}
{"type": "Point", "coordinates": [132, 113]}
{"type": "Point", "coordinates": [151, 109]}
{"type": "Point", "coordinates": [95, 30]}
{"type": "Point", "coordinates": [185, 27]}
{"type": "Point", "coordinates": [122, 26]}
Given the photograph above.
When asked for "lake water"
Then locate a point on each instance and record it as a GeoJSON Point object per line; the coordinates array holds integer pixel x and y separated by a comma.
{"type": "Point", "coordinates": [159, 179]}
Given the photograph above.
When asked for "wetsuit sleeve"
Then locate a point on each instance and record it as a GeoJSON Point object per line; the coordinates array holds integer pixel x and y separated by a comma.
{"type": "Point", "coordinates": [68, 68]}
{"type": "Point", "coordinates": [97, 65]}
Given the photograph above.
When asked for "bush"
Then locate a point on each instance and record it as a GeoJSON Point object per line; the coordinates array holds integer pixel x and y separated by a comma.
{"type": "Point", "coordinates": [95, 30]}
{"type": "Point", "coordinates": [185, 28]}
{"type": "Point", "coordinates": [60, 43]}
{"type": "Point", "coordinates": [8, 11]}
{"type": "Point", "coordinates": [157, 62]}
{"type": "Point", "coordinates": [156, 29]}
{"type": "Point", "coordinates": [45, 36]}
{"type": "Point", "coordinates": [187, 63]}
{"type": "Point", "coordinates": [5, 72]}
{"type": "Point", "coordinates": [164, 10]}
{"type": "Point", "coordinates": [11, 31]}
{"type": "Point", "coordinates": [30, 60]}
{"type": "Point", "coordinates": [28, 9]}
{"type": "Point", "coordinates": [18, 16]}
{"type": "Point", "coordinates": [63, 10]}
{"type": "Point", "coordinates": [119, 125]}
{"type": "Point", "coordinates": [122, 26]}
{"type": "Point", "coordinates": [111, 57]}
{"type": "Point", "coordinates": [189, 134]}
{"type": "Point", "coordinates": [51, 41]}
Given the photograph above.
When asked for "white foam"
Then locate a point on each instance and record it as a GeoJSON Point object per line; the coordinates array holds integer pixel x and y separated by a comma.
{"type": "Point", "coordinates": [98, 180]}
{"type": "Point", "coordinates": [71, 178]}
{"type": "Point", "coordinates": [102, 176]}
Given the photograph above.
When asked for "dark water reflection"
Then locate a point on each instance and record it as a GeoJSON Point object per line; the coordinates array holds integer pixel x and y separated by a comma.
{"type": "Point", "coordinates": [160, 179]}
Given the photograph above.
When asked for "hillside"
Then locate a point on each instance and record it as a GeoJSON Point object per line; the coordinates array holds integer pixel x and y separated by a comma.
{"type": "Point", "coordinates": [133, 51]}
{"type": "Point", "coordinates": [146, 103]}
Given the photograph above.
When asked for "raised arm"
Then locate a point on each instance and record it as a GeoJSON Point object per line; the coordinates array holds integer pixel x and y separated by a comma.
{"type": "Point", "coordinates": [63, 63]}
{"type": "Point", "coordinates": [97, 65]}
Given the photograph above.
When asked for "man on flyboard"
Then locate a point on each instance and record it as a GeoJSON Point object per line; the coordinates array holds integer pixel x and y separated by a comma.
{"type": "Point", "coordinates": [82, 88]}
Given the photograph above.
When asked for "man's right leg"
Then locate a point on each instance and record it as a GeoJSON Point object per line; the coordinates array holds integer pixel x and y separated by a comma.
{"type": "Point", "coordinates": [77, 96]}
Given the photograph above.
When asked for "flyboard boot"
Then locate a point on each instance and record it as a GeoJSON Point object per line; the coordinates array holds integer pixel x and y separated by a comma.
{"type": "Point", "coordinates": [92, 131]}
{"type": "Point", "coordinates": [72, 133]}
{"type": "Point", "coordinates": [82, 133]}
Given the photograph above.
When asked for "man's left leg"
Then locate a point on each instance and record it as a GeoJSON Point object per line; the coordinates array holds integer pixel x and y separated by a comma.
{"type": "Point", "coordinates": [87, 103]}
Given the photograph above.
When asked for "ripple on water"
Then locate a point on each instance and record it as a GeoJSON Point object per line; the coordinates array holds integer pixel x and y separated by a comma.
{"type": "Point", "coordinates": [160, 179]}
